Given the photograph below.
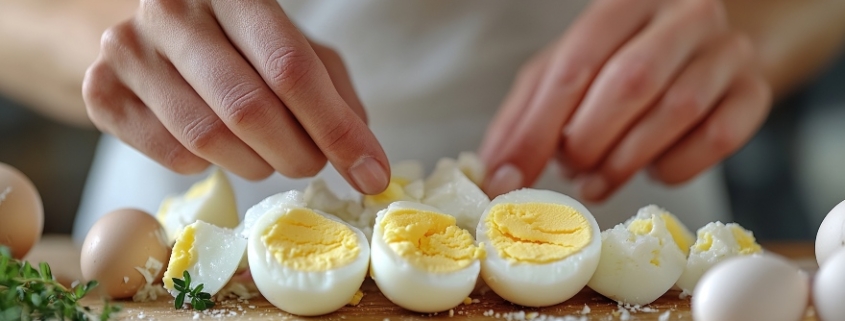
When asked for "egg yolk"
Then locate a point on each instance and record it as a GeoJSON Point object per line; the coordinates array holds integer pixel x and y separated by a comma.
{"type": "Point", "coordinates": [306, 241]}
{"type": "Point", "coordinates": [196, 191]}
{"type": "Point", "coordinates": [679, 233]}
{"type": "Point", "coordinates": [536, 232]}
{"type": "Point", "coordinates": [745, 240]}
{"type": "Point", "coordinates": [183, 256]}
{"type": "Point", "coordinates": [644, 227]}
{"type": "Point", "coordinates": [429, 241]}
{"type": "Point", "coordinates": [395, 191]}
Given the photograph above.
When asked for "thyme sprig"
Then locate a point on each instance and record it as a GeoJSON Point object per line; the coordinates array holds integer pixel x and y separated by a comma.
{"type": "Point", "coordinates": [28, 293]}
{"type": "Point", "coordinates": [199, 300]}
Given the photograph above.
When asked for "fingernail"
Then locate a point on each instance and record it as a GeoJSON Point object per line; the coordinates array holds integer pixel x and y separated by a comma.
{"type": "Point", "coordinates": [369, 175]}
{"type": "Point", "coordinates": [505, 179]}
{"type": "Point", "coordinates": [593, 187]}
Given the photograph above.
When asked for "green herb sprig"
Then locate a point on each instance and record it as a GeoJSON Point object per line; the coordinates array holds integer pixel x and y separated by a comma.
{"type": "Point", "coordinates": [27, 293]}
{"type": "Point", "coordinates": [199, 300]}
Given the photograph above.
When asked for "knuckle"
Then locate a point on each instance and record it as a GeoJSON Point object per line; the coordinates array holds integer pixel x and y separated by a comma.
{"type": "Point", "coordinates": [635, 78]}
{"type": "Point", "coordinates": [200, 134]}
{"type": "Point", "coordinates": [685, 107]}
{"type": "Point", "coordinates": [243, 106]}
{"type": "Point", "coordinates": [287, 67]}
{"type": "Point", "coordinates": [305, 168]}
{"type": "Point", "coordinates": [340, 135]}
{"type": "Point", "coordinates": [571, 74]}
{"type": "Point", "coordinates": [119, 40]}
{"type": "Point", "coordinates": [162, 8]}
{"type": "Point", "coordinates": [721, 138]}
{"type": "Point", "coordinates": [181, 161]}
{"type": "Point", "coordinates": [97, 95]}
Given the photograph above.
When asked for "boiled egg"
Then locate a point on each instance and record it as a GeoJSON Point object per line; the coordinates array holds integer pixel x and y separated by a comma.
{"type": "Point", "coordinates": [211, 200]}
{"type": "Point", "coordinates": [831, 235]}
{"type": "Point", "coordinates": [303, 261]}
{"type": "Point", "coordinates": [761, 287]}
{"type": "Point", "coordinates": [21, 212]}
{"type": "Point", "coordinates": [542, 246]}
{"type": "Point", "coordinates": [209, 253]}
{"type": "Point", "coordinates": [829, 288]}
{"type": "Point", "coordinates": [421, 259]}
{"type": "Point", "coordinates": [716, 242]}
{"type": "Point", "coordinates": [319, 196]}
{"type": "Point", "coordinates": [640, 260]}
{"type": "Point", "coordinates": [450, 190]}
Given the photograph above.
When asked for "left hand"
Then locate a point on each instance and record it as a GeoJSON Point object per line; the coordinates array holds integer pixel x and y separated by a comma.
{"type": "Point", "coordinates": [663, 84]}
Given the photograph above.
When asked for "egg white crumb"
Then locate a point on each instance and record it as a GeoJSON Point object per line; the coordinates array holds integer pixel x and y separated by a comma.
{"type": "Point", "coordinates": [664, 316]}
{"type": "Point", "coordinates": [585, 310]}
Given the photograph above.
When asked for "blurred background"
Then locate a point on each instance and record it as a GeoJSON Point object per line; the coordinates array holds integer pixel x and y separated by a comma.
{"type": "Point", "coordinates": [781, 184]}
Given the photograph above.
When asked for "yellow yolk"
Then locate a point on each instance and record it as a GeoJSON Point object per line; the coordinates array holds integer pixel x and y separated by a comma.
{"type": "Point", "coordinates": [197, 190]}
{"type": "Point", "coordinates": [705, 241]}
{"type": "Point", "coordinates": [536, 232]}
{"type": "Point", "coordinates": [356, 298]}
{"type": "Point", "coordinates": [182, 257]}
{"type": "Point", "coordinates": [679, 233]}
{"type": "Point", "coordinates": [429, 241]}
{"type": "Point", "coordinates": [395, 191]}
{"type": "Point", "coordinates": [306, 241]}
{"type": "Point", "coordinates": [644, 227]}
{"type": "Point", "coordinates": [746, 241]}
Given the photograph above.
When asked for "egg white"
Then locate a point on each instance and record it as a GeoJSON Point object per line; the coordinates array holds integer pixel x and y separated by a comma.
{"type": "Point", "coordinates": [450, 191]}
{"type": "Point", "coordinates": [545, 284]}
{"type": "Point", "coordinates": [724, 245]}
{"type": "Point", "coordinates": [218, 253]}
{"type": "Point", "coordinates": [216, 205]}
{"type": "Point", "coordinates": [411, 287]}
{"type": "Point", "coordinates": [300, 292]}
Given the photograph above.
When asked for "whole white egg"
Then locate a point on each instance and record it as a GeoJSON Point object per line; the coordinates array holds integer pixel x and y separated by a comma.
{"type": "Point", "coordinates": [831, 235]}
{"type": "Point", "coordinates": [829, 288]}
{"type": "Point", "coordinates": [765, 287]}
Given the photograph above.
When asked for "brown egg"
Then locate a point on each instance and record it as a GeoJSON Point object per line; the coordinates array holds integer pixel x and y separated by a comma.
{"type": "Point", "coordinates": [21, 211]}
{"type": "Point", "coordinates": [118, 243]}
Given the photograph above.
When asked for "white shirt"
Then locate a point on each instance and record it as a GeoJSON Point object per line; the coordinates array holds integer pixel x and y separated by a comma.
{"type": "Point", "coordinates": [431, 74]}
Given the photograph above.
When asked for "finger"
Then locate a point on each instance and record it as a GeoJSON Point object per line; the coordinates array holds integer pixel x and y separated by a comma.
{"type": "Point", "coordinates": [177, 106]}
{"type": "Point", "coordinates": [630, 81]}
{"type": "Point", "coordinates": [687, 101]}
{"type": "Point", "coordinates": [340, 78]}
{"type": "Point", "coordinates": [114, 109]}
{"type": "Point", "coordinates": [730, 126]}
{"type": "Point", "coordinates": [229, 85]}
{"type": "Point", "coordinates": [288, 64]}
{"type": "Point", "coordinates": [576, 59]}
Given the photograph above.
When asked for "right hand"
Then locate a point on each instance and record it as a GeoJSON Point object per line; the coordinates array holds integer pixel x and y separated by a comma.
{"type": "Point", "coordinates": [233, 83]}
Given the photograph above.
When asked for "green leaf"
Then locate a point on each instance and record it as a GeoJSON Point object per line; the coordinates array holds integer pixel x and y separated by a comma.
{"type": "Point", "coordinates": [180, 300]}
{"type": "Point", "coordinates": [197, 290]}
{"type": "Point", "coordinates": [5, 251]}
{"type": "Point", "coordinates": [35, 299]}
{"type": "Point", "coordinates": [187, 278]}
{"type": "Point", "coordinates": [198, 304]}
{"type": "Point", "coordinates": [204, 295]}
{"type": "Point", "coordinates": [46, 273]}
{"type": "Point", "coordinates": [178, 284]}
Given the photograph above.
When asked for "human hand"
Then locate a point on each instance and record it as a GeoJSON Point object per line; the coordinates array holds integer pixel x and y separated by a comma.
{"type": "Point", "coordinates": [658, 84]}
{"type": "Point", "coordinates": [232, 83]}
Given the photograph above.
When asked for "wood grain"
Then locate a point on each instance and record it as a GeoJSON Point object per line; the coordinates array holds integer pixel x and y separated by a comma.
{"type": "Point", "coordinates": [374, 306]}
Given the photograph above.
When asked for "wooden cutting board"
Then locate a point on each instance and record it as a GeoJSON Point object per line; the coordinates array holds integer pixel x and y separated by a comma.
{"type": "Point", "coordinates": [374, 306]}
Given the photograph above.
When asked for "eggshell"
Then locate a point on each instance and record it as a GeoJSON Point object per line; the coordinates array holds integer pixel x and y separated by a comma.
{"type": "Point", "coordinates": [21, 212]}
{"type": "Point", "coordinates": [118, 243]}
{"type": "Point", "coordinates": [765, 287]}
{"type": "Point", "coordinates": [831, 235]}
{"type": "Point", "coordinates": [829, 288]}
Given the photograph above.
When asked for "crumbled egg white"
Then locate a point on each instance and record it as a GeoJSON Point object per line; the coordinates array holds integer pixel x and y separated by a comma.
{"type": "Point", "coordinates": [640, 260]}
{"type": "Point", "coordinates": [542, 246]}
{"type": "Point", "coordinates": [716, 242]}
{"type": "Point", "coordinates": [450, 190]}
{"type": "Point", "coordinates": [211, 200]}
{"type": "Point", "coordinates": [303, 261]}
{"type": "Point", "coordinates": [421, 259]}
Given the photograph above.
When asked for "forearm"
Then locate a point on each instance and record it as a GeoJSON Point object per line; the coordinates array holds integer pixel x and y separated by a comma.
{"type": "Point", "coordinates": [794, 39]}
{"type": "Point", "coordinates": [46, 47]}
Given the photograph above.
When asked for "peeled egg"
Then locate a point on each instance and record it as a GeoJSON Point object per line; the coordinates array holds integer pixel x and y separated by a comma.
{"type": "Point", "coordinates": [211, 200]}
{"type": "Point", "coordinates": [120, 243]}
{"type": "Point", "coordinates": [211, 255]}
{"type": "Point", "coordinates": [303, 261]}
{"type": "Point", "coordinates": [640, 260]}
{"type": "Point", "coordinates": [763, 287]}
{"type": "Point", "coordinates": [542, 246]}
{"type": "Point", "coordinates": [829, 288]}
{"type": "Point", "coordinates": [421, 260]}
{"type": "Point", "coordinates": [21, 212]}
{"type": "Point", "coordinates": [831, 235]}
{"type": "Point", "coordinates": [716, 242]}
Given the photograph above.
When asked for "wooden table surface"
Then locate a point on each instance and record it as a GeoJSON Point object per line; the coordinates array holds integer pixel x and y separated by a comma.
{"type": "Point", "coordinates": [63, 256]}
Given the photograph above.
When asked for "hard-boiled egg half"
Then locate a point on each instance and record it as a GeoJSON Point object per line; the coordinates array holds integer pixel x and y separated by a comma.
{"type": "Point", "coordinates": [716, 242]}
{"type": "Point", "coordinates": [542, 246]}
{"type": "Point", "coordinates": [640, 259]}
{"type": "Point", "coordinates": [421, 259]}
{"type": "Point", "coordinates": [211, 200]}
{"type": "Point", "coordinates": [303, 261]}
{"type": "Point", "coordinates": [209, 253]}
